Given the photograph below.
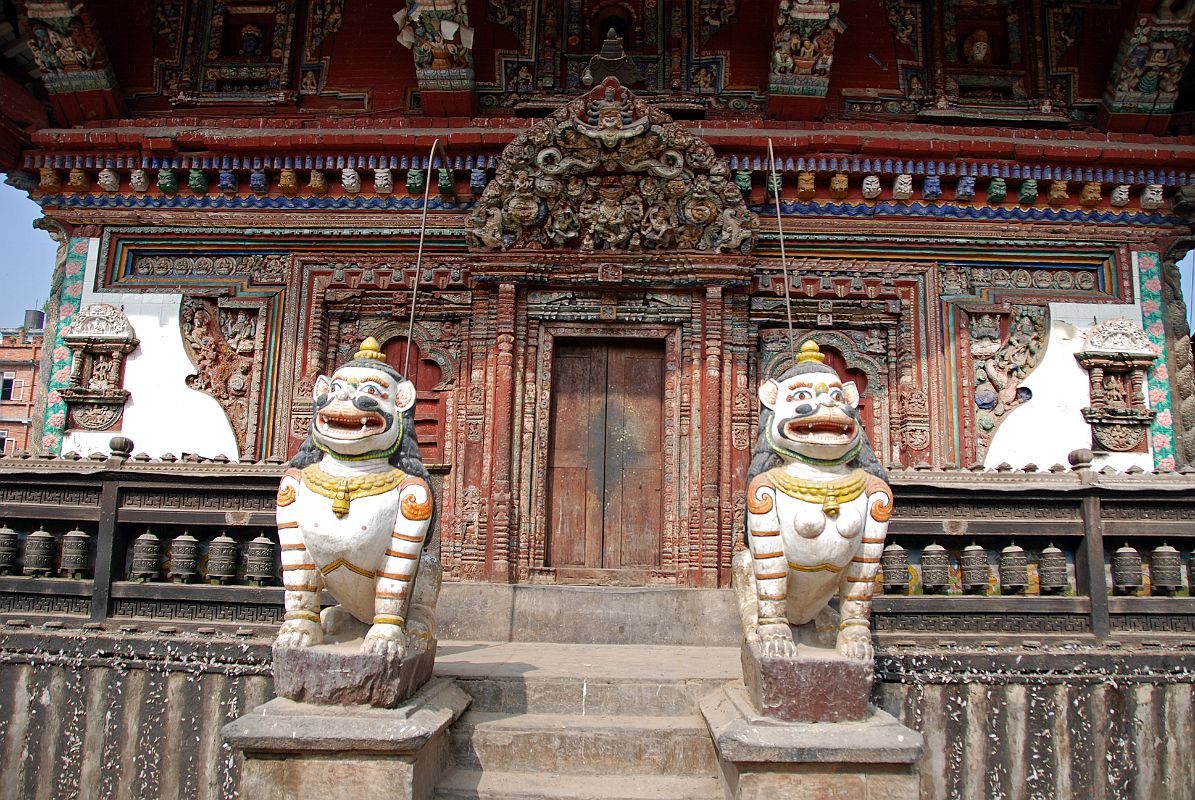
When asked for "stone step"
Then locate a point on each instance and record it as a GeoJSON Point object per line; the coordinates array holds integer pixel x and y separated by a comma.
{"type": "Point", "coordinates": [541, 678]}
{"type": "Point", "coordinates": [467, 784]}
{"type": "Point", "coordinates": [587, 696]}
{"type": "Point", "coordinates": [586, 745]}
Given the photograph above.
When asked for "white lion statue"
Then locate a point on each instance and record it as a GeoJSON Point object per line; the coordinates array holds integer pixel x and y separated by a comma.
{"type": "Point", "coordinates": [818, 506]}
{"type": "Point", "coordinates": [353, 515]}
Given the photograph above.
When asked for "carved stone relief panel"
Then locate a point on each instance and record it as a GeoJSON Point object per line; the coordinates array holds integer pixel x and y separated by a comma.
{"type": "Point", "coordinates": [1002, 356]}
{"type": "Point", "coordinates": [224, 339]}
{"type": "Point", "coordinates": [99, 338]}
{"type": "Point", "coordinates": [1116, 355]}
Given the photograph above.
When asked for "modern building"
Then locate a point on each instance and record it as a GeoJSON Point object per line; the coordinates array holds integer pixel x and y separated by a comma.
{"type": "Point", "coordinates": [20, 357]}
{"type": "Point", "coordinates": [587, 231]}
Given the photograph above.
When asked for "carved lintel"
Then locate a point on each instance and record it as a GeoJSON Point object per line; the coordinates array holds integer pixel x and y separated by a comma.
{"type": "Point", "coordinates": [608, 173]}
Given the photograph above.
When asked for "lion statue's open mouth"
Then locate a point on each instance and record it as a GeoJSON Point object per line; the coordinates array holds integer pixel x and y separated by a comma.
{"type": "Point", "coordinates": [823, 428]}
{"type": "Point", "coordinates": [348, 423]}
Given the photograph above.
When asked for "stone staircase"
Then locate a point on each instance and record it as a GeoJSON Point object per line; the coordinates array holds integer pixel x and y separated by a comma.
{"type": "Point", "coordinates": [576, 722]}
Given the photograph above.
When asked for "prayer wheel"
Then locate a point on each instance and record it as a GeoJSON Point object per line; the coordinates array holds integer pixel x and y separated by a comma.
{"type": "Point", "coordinates": [1014, 570]}
{"type": "Point", "coordinates": [259, 561]}
{"type": "Point", "coordinates": [39, 553]}
{"type": "Point", "coordinates": [976, 572]}
{"type": "Point", "coordinates": [222, 556]}
{"type": "Point", "coordinates": [8, 551]}
{"type": "Point", "coordinates": [1165, 570]}
{"type": "Point", "coordinates": [184, 558]}
{"type": "Point", "coordinates": [935, 569]}
{"type": "Point", "coordinates": [76, 555]}
{"type": "Point", "coordinates": [1051, 571]}
{"type": "Point", "coordinates": [1126, 570]}
{"type": "Point", "coordinates": [895, 563]}
{"type": "Point", "coordinates": [147, 558]}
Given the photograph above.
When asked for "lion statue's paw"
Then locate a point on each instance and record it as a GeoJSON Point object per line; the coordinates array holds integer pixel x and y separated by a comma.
{"type": "Point", "coordinates": [777, 641]}
{"type": "Point", "coordinates": [385, 639]}
{"type": "Point", "coordinates": [299, 633]}
{"type": "Point", "coordinates": [855, 644]}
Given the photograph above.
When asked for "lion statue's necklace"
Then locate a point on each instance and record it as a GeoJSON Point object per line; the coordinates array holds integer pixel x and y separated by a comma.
{"type": "Point", "coordinates": [830, 494]}
{"type": "Point", "coordinates": [343, 491]}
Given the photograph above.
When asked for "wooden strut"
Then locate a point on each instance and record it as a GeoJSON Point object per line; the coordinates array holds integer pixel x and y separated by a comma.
{"type": "Point", "coordinates": [788, 305]}
{"type": "Point", "coordinates": [427, 188]}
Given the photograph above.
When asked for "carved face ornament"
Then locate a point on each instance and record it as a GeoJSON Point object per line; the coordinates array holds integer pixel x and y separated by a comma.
{"type": "Point", "coordinates": [812, 414]}
{"type": "Point", "coordinates": [358, 411]}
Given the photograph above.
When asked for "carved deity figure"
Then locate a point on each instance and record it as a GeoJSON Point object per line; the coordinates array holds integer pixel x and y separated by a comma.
{"type": "Point", "coordinates": [871, 187]}
{"type": "Point", "coordinates": [353, 515]}
{"type": "Point", "coordinates": [818, 506]}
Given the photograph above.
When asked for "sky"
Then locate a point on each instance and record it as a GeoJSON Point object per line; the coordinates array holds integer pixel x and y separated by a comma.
{"type": "Point", "coordinates": [28, 260]}
{"type": "Point", "coordinates": [26, 257]}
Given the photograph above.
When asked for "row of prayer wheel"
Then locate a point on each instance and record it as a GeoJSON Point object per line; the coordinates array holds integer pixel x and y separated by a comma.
{"type": "Point", "coordinates": [223, 560]}
{"type": "Point", "coordinates": [1165, 570]}
{"type": "Point", "coordinates": [41, 553]}
{"type": "Point", "coordinates": [976, 572]}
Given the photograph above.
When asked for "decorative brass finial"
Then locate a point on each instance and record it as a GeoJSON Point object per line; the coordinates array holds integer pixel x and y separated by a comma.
{"type": "Point", "coordinates": [370, 349]}
{"type": "Point", "coordinates": [811, 352]}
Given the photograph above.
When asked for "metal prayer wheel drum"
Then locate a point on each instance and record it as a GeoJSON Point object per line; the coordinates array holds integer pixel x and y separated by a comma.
{"type": "Point", "coordinates": [184, 558]}
{"type": "Point", "coordinates": [259, 561]}
{"type": "Point", "coordinates": [1190, 572]}
{"type": "Point", "coordinates": [39, 553]}
{"type": "Point", "coordinates": [8, 551]}
{"type": "Point", "coordinates": [1051, 571]}
{"type": "Point", "coordinates": [76, 555]}
{"type": "Point", "coordinates": [935, 568]}
{"type": "Point", "coordinates": [222, 556]}
{"type": "Point", "coordinates": [1126, 570]}
{"type": "Point", "coordinates": [976, 572]}
{"type": "Point", "coordinates": [147, 558]}
{"type": "Point", "coordinates": [1165, 570]}
{"type": "Point", "coordinates": [1014, 569]}
{"type": "Point", "coordinates": [895, 563]}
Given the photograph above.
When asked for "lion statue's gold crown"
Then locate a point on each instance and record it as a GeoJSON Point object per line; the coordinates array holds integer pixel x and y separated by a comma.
{"type": "Point", "coordinates": [370, 349]}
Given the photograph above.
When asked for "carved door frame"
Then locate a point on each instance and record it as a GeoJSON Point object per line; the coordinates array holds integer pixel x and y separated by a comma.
{"type": "Point", "coordinates": [535, 532]}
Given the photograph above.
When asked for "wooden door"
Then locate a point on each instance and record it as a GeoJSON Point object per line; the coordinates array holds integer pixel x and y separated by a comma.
{"type": "Point", "coordinates": [605, 472]}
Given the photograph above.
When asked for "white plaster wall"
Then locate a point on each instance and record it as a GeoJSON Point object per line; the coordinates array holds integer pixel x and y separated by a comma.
{"type": "Point", "coordinates": [1046, 429]}
{"type": "Point", "coordinates": [162, 415]}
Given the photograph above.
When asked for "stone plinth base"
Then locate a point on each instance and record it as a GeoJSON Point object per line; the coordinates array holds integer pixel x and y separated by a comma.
{"type": "Point", "coordinates": [817, 686]}
{"type": "Point", "coordinates": [340, 674]}
{"type": "Point", "coordinates": [763, 759]}
{"type": "Point", "coordinates": [300, 750]}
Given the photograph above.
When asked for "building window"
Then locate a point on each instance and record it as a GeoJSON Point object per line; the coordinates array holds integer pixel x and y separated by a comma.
{"type": "Point", "coordinates": [10, 387]}
{"type": "Point", "coordinates": [5, 443]}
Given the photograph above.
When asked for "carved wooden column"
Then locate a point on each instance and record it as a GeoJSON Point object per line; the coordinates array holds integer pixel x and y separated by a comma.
{"type": "Point", "coordinates": [503, 431]}
{"type": "Point", "coordinates": [711, 436]}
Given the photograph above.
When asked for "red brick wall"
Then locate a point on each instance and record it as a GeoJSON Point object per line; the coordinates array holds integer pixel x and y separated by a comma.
{"type": "Point", "coordinates": [19, 355]}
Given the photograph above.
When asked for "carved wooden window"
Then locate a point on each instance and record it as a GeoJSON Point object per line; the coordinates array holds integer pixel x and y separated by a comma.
{"type": "Point", "coordinates": [429, 400]}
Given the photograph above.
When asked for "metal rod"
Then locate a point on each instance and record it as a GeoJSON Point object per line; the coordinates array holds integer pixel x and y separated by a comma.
{"type": "Point", "coordinates": [427, 188]}
{"type": "Point", "coordinates": [788, 303]}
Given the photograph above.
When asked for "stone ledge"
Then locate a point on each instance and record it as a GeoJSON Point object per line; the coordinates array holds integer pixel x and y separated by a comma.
{"type": "Point", "coordinates": [818, 685]}
{"type": "Point", "coordinates": [340, 674]}
{"type": "Point", "coordinates": [285, 727]}
{"type": "Point", "coordinates": [743, 737]}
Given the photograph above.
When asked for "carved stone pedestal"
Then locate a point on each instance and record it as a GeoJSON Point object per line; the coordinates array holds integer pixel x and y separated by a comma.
{"type": "Point", "coordinates": [817, 686]}
{"type": "Point", "coordinates": [340, 674]}
{"type": "Point", "coordinates": [760, 758]}
{"type": "Point", "coordinates": [300, 750]}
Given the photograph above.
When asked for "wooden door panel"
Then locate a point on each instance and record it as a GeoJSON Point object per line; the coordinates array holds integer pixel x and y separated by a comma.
{"type": "Point", "coordinates": [575, 474]}
{"type": "Point", "coordinates": [634, 456]}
